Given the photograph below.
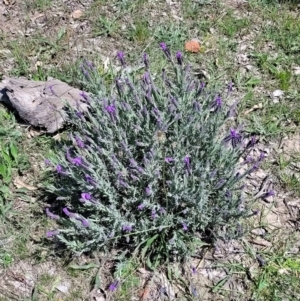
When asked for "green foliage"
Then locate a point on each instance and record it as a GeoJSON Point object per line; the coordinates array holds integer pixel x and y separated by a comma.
{"type": "Point", "coordinates": [10, 159]}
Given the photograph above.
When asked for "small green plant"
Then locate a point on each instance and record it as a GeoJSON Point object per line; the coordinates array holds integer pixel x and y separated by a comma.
{"type": "Point", "coordinates": [152, 165]}
{"type": "Point", "coordinates": [279, 278]}
{"type": "Point", "coordinates": [105, 26]}
{"type": "Point", "coordinates": [139, 31]}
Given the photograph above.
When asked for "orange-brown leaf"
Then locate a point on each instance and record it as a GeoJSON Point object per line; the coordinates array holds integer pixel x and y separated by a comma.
{"type": "Point", "coordinates": [192, 46]}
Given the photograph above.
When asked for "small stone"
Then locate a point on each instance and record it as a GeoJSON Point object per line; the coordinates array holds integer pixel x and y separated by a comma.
{"type": "Point", "coordinates": [258, 231]}
{"type": "Point", "coordinates": [77, 14]}
{"type": "Point", "coordinates": [278, 93]}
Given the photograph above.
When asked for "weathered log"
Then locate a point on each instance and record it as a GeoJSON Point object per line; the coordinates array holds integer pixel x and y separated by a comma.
{"type": "Point", "coordinates": [42, 104]}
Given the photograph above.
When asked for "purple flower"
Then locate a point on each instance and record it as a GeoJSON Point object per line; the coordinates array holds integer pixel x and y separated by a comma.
{"type": "Point", "coordinates": [86, 196]}
{"type": "Point", "coordinates": [179, 57]}
{"type": "Point", "coordinates": [84, 222]}
{"type": "Point", "coordinates": [169, 159]}
{"type": "Point", "coordinates": [52, 233]}
{"type": "Point", "coordinates": [89, 179]}
{"type": "Point", "coordinates": [134, 178]}
{"type": "Point", "coordinates": [261, 156]}
{"type": "Point", "coordinates": [249, 159]}
{"type": "Point", "coordinates": [187, 163]}
{"type": "Point", "coordinates": [127, 228]}
{"type": "Point", "coordinates": [133, 163]}
{"type": "Point", "coordinates": [68, 213]}
{"type": "Point", "coordinates": [153, 214]}
{"type": "Point", "coordinates": [194, 270]}
{"type": "Point", "coordinates": [186, 160]}
{"type": "Point", "coordinates": [79, 114]}
{"type": "Point", "coordinates": [111, 109]}
{"type": "Point", "coordinates": [47, 162]}
{"type": "Point", "coordinates": [268, 194]}
{"type": "Point", "coordinates": [85, 73]}
{"type": "Point", "coordinates": [59, 169]}
{"type": "Point", "coordinates": [51, 215]}
{"type": "Point", "coordinates": [217, 105]}
{"type": "Point", "coordinates": [162, 210]}
{"type": "Point", "coordinates": [79, 142]}
{"type": "Point", "coordinates": [165, 49]}
{"type": "Point", "coordinates": [141, 206]}
{"type": "Point", "coordinates": [77, 161]}
{"type": "Point", "coordinates": [254, 167]}
{"type": "Point", "coordinates": [113, 286]}
{"type": "Point", "coordinates": [184, 226]}
{"type": "Point", "coordinates": [146, 78]}
{"type": "Point", "coordinates": [228, 194]}
{"type": "Point", "coordinates": [122, 183]}
{"type": "Point", "coordinates": [234, 137]}
{"type": "Point", "coordinates": [89, 64]}
{"type": "Point", "coordinates": [220, 183]}
{"type": "Point", "coordinates": [229, 88]}
{"type": "Point", "coordinates": [83, 95]}
{"type": "Point", "coordinates": [146, 60]}
{"type": "Point", "coordinates": [148, 191]}
{"type": "Point", "coordinates": [121, 57]}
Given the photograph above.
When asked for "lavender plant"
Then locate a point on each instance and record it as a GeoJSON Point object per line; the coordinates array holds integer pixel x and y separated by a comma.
{"type": "Point", "coordinates": [149, 166]}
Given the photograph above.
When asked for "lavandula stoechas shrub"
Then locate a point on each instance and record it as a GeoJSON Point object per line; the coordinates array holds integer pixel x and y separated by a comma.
{"type": "Point", "coordinates": [149, 166]}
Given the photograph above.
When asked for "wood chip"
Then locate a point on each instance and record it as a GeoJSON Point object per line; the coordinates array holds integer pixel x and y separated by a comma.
{"type": "Point", "coordinates": [261, 242]}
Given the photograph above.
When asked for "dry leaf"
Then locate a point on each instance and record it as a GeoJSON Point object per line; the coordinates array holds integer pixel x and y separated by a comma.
{"type": "Point", "coordinates": [76, 14]}
{"type": "Point", "coordinates": [20, 184]}
{"type": "Point", "coordinates": [37, 16]}
{"type": "Point", "coordinates": [192, 46]}
{"type": "Point", "coordinates": [57, 137]}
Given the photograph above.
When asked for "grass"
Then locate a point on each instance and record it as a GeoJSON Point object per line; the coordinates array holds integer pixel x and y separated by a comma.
{"type": "Point", "coordinates": [269, 31]}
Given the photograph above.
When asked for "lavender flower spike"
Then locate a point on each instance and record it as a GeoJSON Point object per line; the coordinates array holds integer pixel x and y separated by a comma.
{"type": "Point", "coordinates": [113, 286]}
{"type": "Point", "coordinates": [52, 233]}
{"type": "Point", "coordinates": [184, 226]}
{"type": "Point", "coordinates": [51, 215]}
{"type": "Point", "coordinates": [84, 222]}
{"type": "Point", "coordinates": [217, 105]}
{"type": "Point", "coordinates": [59, 169]}
{"type": "Point", "coordinates": [169, 159]}
{"type": "Point", "coordinates": [89, 179]}
{"type": "Point", "coordinates": [127, 228]}
{"type": "Point", "coordinates": [146, 61]}
{"type": "Point", "coordinates": [234, 137]}
{"type": "Point", "coordinates": [153, 214]}
{"type": "Point", "coordinates": [111, 109]}
{"type": "Point", "coordinates": [121, 57]}
{"type": "Point", "coordinates": [141, 206]}
{"type": "Point", "coordinates": [47, 162]}
{"type": "Point", "coordinates": [148, 191]}
{"type": "Point", "coordinates": [79, 142]}
{"type": "Point", "coordinates": [166, 50]}
{"type": "Point", "coordinates": [77, 161]}
{"type": "Point", "coordinates": [68, 213]}
{"type": "Point", "coordinates": [268, 194]}
{"type": "Point", "coordinates": [86, 196]}
{"type": "Point", "coordinates": [179, 57]}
